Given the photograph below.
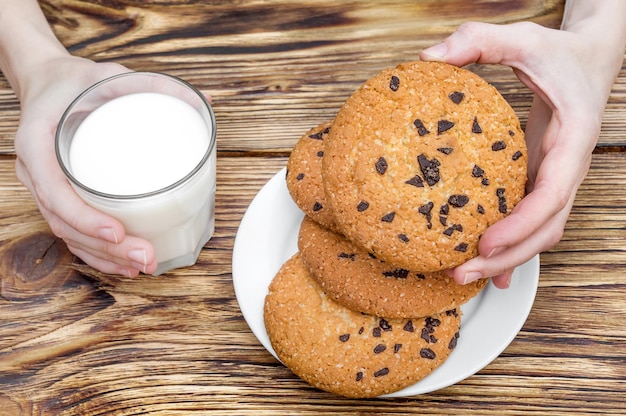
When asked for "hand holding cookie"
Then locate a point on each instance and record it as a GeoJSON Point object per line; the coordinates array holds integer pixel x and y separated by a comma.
{"type": "Point", "coordinates": [571, 77]}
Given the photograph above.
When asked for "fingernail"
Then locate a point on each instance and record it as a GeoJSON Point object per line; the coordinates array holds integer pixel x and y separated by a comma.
{"type": "Point", "coordinates": [108, 234]}
{"type": "Point", "coordinates": [508, 279]}
{"type": "Point", "coordinates": [472, 276]}
{"type": "Point", "coordinates": [438, 51]}
{"type": "Point", "coordinates": [138, 256]}
{"type": "Point", "coordinates": [495, 251]}
{"type": "Point", "coordinates": [139, 266]}
{"type": "Point", "coordinates": [125, 272]}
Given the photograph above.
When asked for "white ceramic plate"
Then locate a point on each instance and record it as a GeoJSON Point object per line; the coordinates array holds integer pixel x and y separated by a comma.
{"type": "Point", "coordinates": [267, 237]}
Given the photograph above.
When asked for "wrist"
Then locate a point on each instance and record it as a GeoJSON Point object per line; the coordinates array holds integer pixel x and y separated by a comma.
{"type": "Point", "coordinates": [23, 30]}
{"type": "Point", "coordinates": [603, 24]}
{"type": "Point", "coordinates": [597, 18]}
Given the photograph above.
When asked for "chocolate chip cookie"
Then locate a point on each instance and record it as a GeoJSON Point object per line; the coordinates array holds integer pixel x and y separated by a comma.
{"type": "Point", "coordinates": [419, 161]}
{"type": "Point", "coordinates": [304, 175]}
{"type": "Point", "coordinates": [361, 282]}
{"type": "Point", "coordinates": [346, 352]}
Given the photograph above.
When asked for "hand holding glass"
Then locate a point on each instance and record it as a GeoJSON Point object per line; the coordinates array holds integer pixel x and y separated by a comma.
{"type": "Point", "coordinates": [141, 147]}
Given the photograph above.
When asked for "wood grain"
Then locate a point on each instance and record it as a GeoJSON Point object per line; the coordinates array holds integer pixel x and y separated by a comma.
{"type": "Point", "coordinates": [77, 342]}
{"type": "Point", "coordinates": [273, 68]}
{"type": "Point", "coordinates": [84, 343]}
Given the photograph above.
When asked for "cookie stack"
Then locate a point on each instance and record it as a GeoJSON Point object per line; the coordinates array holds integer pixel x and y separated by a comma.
{"type": "Point", "coordinates": [417, 163]}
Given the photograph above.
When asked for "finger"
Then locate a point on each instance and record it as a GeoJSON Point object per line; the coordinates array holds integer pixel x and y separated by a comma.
{"type": "Point", "coordinates": [108, 249]}
{"type": "Point", "coordinates": [103, 265]}
{"type": "Point", "coordinates": [485, 43]}
{"type": "Point", "coordinates": [538, 121]}
{"type": "Point", "coordinates": [67, 213]}
{"type": "Point", "coordinates": [502, 260]}
{"type": "Point", "coordinates": [503, 281]}
{"type": "Point", "coordinates": [132, 252]}
{"type": "Point", "coordinates": [537, 222]}
{"type": "Point", "coordinates": [562, 170]}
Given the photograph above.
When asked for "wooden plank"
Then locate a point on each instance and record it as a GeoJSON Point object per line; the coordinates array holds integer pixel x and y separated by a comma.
{"type": "Point", "coordinates": [91, 343]}
{"type": "Point", "coordinates": [275, 69]}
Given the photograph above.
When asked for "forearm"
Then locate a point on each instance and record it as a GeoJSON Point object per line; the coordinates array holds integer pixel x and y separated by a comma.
{"type": "Point", "coordinates": [26, 41]}
{"type": "Point", "coordinates": [601, 25]}
{"type": "Point", "coordinates": [605, 19]}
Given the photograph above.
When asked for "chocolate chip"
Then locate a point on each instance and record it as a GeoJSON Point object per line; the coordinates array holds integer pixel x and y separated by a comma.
{"type": "Point", "coordinates": [403, 238]}
{"type": "Point", "coordinates": [396, 348]}
{"type": "Point", "coordinates": [454, 227]}
{"type": "Point", "coordinates": [317, 206]}
{"type": "Point", "coordinates": [430, 169]}
{"type": "Point", "coordinates": [359, 376]}
{"type": "Point", "coordinates": [448, 231]}
{"type": "Point", "coordinates": [320, 153]}
{"type": "Point", "coordinates": [416, 181]}
{"type": "Point", "coordinates": [426, 211]}
{"type": "Point", "coordinates": [456, 97]}
{"type": "Point", "coordinates": [319, 135]}
{"type": "Point", "coordinates": [397, 273]}
{"type": "Point", "coordinates": [516, 155]}
{"type": "Point", "coordinates": [511, 133]}
{"type": "Point", "coordinates": [408, 327]}
{"type": "Point", "coordinates": [426, 336]}
{"type": "Point", "coordinates": [421, 129]}
{"type": "Point", "coordinates": [381, 372]}
{"type": "Point", "coordinates": [497, 146]}
{"type": "Point", "coordinates": [502, 207]}
{"type": "Point", "coordinates": [477, 172]}
{"type": "Point", "coordinates": [361, 330]}
{"type": "Point", "coordinates": [426, 208]}
{"type": "Point", "coordinates": [394, 83]}
{"type": "Point", "coordinates": [480, 209]}
{"type": "Point", "coordinates": [421, 276]}
{"type": "Point", "coordinates": [377, 332]}
{"type": "Point", "coordinates": [444, 125]}
{"type": "Point", "coordinates": [300, 176]}
{"type": "Point", "coordinates": [458, 201]}
{"type": "Point", "coordinates": [344, 337]}
{"type": "Point", "coordinates": [388, 217]}
{"type": "Point", "coordinates": [461, 247]}
{"type": "Point", "coordinates": [443, 212]}
{"type": "Point", "coordinates": [384, 325]}
{"type": "Point", "coordinates": [349, 256]}
{"type": "Point", "coordinates": [453, 341]}
{"type": "Point", "coordinates": [431, 322]}
{"type": "Point", "coordinates": [445, 150]}
{"type": "Point", "coordinates": [381, 166]}
{"type": "Point", "coordinates": [476, 127]}
{"type": "Point", "coordinates": [379, 348]}
{"type": "Point", "coordinates": [363, 205]}
{"type": "Point", "coordinates": [485, 182]}
{"type": "Point", "coordinates": [428, 353]}
{"type": "Point", "coordinates": [452, 312]}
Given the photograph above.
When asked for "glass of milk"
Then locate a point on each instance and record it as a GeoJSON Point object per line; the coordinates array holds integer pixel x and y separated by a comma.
{"type": "Point", "coordinates": [140, 147]}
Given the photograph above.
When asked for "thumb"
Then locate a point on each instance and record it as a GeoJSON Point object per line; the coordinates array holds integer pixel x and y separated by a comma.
{"type": "Point", "coordinates": [484, 43]}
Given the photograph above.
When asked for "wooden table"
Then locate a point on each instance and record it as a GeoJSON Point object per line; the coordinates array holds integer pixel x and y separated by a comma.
{"type": "Point", "coordinates": [73, 341]}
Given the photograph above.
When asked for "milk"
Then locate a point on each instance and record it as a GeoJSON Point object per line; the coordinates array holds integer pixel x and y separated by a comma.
{"type": "Point", "coordinates": [149, 160]}
{"type": "Point", "coordinates": [138, 143]}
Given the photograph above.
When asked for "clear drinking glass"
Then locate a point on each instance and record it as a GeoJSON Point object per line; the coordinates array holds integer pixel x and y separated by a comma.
{"type": "Point", "coordinates": [141, 147]}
